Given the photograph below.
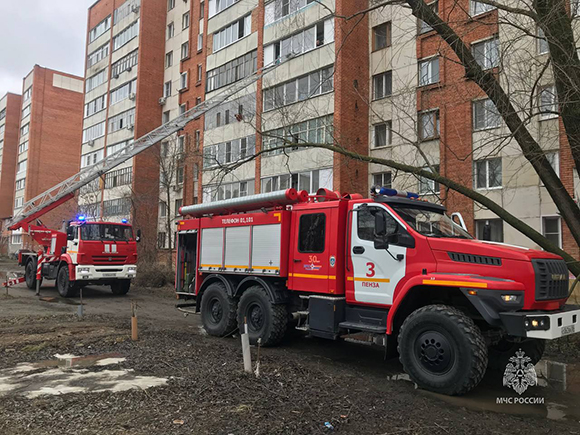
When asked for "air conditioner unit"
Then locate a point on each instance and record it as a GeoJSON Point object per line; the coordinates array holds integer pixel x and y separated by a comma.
{"type": "Point", "coordinates": [116, 76]}
{"type": "Point", "coordinates": [162, 101]}
{"type": "Point", "coordinates": [130, 68]}
{"type": "Point", "coordinates": [132, 96]}
{"type": "Point", "coordinates": [135, 9]}
{"type": "Point", "coordinates": [176, 188]}
{"type": "Point", "coordinates": [131, 127]}
{"type": "Point", "coordinates": [91, 143]}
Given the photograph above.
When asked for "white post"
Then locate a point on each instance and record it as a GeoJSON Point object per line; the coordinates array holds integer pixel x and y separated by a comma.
{"type": "Point", "coordinates": [246, 350]}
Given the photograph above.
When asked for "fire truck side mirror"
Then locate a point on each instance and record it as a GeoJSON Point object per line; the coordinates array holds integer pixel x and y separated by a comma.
{"type": "Point", "coordinates": [138, 239]}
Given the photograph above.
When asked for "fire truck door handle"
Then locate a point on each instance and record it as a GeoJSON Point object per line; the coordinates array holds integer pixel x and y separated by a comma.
{"type": "Point", "coordinates": [296, 260]}
{"type": "Point", "coordinates": [358, 250]}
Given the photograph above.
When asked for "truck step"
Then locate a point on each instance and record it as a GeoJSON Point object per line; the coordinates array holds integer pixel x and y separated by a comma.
{"type": "Point", "coordinates": [366, 327]}
{"type": "Point", "coordinates": [303, 328]}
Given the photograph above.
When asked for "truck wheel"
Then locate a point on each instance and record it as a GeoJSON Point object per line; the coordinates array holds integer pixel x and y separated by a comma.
{"type": "Point", "coordinates": [442, 350]}
{"type": "Point", "coordinates": [218, 310]}
{"type": "Point", "coordinates": [30, 275]}
{"type": "Point", "coordinates": [500, 353]}
{"type": "Point", "coordinates": [122, 287]}
{"type": "Point", "coordinates": [266, 320]}
{"type": "Point", "coordinates": [65, 287]}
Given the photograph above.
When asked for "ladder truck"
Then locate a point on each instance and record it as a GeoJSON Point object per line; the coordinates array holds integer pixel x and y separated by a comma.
{"type": "Point", "coordinates": [96, 252]}
{"type": "Point", "coordinates": [392, 268]}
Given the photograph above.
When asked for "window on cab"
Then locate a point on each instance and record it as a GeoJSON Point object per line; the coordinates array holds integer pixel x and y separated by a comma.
{"type": "Point", "coordinates": [366, 223]}
{"type": "Point", "coordinates": [106, 233]}
{"type": "Point", "coordinates": [312, 233]}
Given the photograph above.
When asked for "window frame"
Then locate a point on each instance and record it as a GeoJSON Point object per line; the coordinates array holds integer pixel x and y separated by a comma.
{"type": "Point", "coordinates": [436, 124]}
{"type": "Point", "coordinates": [487, 178]}
{"type": "Point", "coordinates": [388, 36]}
{"type": "Point", "coordinates": [322, 233]}
{"type": "Point", "coordinates": [474, 104]}
{"type": "Point", "coordinates": [559, 219]}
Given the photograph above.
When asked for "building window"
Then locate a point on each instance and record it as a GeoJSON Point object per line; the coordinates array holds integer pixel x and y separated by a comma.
{"type": "Point", "coordinates": [127, 90]}
{"type": "Point", "coordinates": [278, 9]}
{"type": "Point", "coordinates": [543, 46]}
{"type": "Point", "coordinates": [228, 152]}
{"type": "Point", "coordinates": [310, 181]}
{"type": "Point", "coordinates": [478, 8]}
{"type": "Point", "coordinates": [125, 10]}
{"type": "Point", "coordinates": [199, 72]}
{"type": "Point", "coordinates": [201, 10]}
{"type": "Point", "coordinates": [23, 147]}
{"type": "Point", "coordinates": [228, 190]}
{"type": "Point", "coordinates": [20, 184]}
{"type": "Point", "coordinates": [423, 26]}
{"type": "Point", "coordinates": [382, 179]}
{"type": "Point", "coordinates": [552, 229]}
{"type": "Point", "coordinates": [429, 71]}
{"type": "Point", "coordinates": [26, 111]}
{"type": "Point", "coordinates": [554, 159]}
{"type": "Point", "coordinates": [95, 106]}
{"type": "Point", "coordinates": [486, 53]}
{"type": "Point", "coordinates": [166, 117]}
{"type": "Point", "coordinates": [185, 20]}
{"type": "Point", "coordinates": [168, 59]}
{"type": "Point", "coordinates": [162, 209]}
{"type": "Point", "coordinates": [99, 29]}
{"type": "Point", "coordinates": [27, 94]}
{"type": "Point", "coordinates": [167, 89]}
{"type": "Point", "coordinates": [18, 202]}
{"type": "Point", "coordinates": [98, 55]}
{"type": "Point", "coordinates": [548, 102]}
{"type": "Point", "coordinates": [170, 30]}
{"type": "Point", "coordinates": [428, 186]}
{"type": "Point", "coordinates": [17, 238]}
{"type": "Point", "coordinates": [170, 4]}
{"type": "Point", "coordinates": [317, 130]}
{"type": "Point", "coordinates": [382, 134]}
{"type": "Point", "coordinates": [232, 33]}
{"type": "Point", "coordinates": [429, 125]}
{"type": "Point", "coordinates": [199, 42]}
{"type": "Point", "coordinates": [182, 109]}
{"type": "Point", "coordinates": [485, 115]}
{"type": "Point", "coordinates": [382, 85]}
{"type": "Point", "coordinates": [94, 132]}
{"type": "Point", "coordinates": [312, 233]}
{"type": "Point", "coordinates": [112, 149]}
{"type": "Point", "coordinates": [488, 173]}
{"type": "Point", "coordinates": [230, 72]}
{"type": "Point", "coordinates": [92, 158]}
{"type": "Point", "coordinates": [122, 120]}
{"type": "Point", "coordinates": [197, 139]}
{"type": "Point", "coordinates": [126, 35]}
{"type": "Point", "coordinates": [21, 167]}
{"type": "Point", "coordinates": [184, 50]}
{"type": "Point", "coordinates": [96, 80]}
{"type": "Point", "coordinates": [119, 177]}
{"type": "Point", "coordinates": [489, 229]}
{"type": "Point", "coordinates": [183, 80]}
{"type": "Point", "coordinates": [117, 207]}
{"type": "Point", "coordinates": [316, 83]}
{"type": "Point", "coordinates": [216, 6]}
{"type": "Point", "coordinates": [24, 129]}
{"type": "Point", "coordinates": [381, 36]}
{"type": "Point", "coordinates": [125, 64]}
{"type": "Point", "coordinates": [178, 204]}
{"type": "Point", "coordinates": [2, 114]}
{"type": "Point", "coordinates": [161, 237]}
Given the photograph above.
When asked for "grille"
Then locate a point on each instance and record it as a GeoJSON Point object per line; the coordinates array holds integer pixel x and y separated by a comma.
{"type": "Point", "coordinates": [551, 279]}
{"type": "Point", "coordinates": [109, 259]}
{"type": "Point", "coordinates": [475, 259]}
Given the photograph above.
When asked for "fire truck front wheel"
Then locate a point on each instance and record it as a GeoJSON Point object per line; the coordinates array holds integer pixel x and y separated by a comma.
{"type": "Point", "coordinates": [30, 275]}
{"type": "Point", "coordinates": [442, 350]}
{"type": "Point", "coordinates": [121, 287]}
{"type": "Point", "coordinates": [218, 310]}
{"type": "Point", "coordinates": [65, 287]}
{"type": "Point", "coordinates": [266, 321]}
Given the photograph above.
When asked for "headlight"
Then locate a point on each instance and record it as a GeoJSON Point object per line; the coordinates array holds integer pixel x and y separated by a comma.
{"type": "Point", "coordinates": [509, 298]}
{"type": "Point", "coordinates": [537, 323]}
{"type": "Point", "coordinates": [132, 269]}
{"type": "Point", "coordinates": [84, 270]}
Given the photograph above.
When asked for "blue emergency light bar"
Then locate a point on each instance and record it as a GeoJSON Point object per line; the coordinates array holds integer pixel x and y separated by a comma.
{"type": "Point", "coordinates": [394, 192]}
{"type": "Point", "coordinates": [81, 218]}
{"type": "Point", "coordinates": [124, 221]}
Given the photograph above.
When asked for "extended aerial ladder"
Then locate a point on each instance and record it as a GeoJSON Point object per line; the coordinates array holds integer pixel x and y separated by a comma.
{"type": "Point", "coordinates": [64, 191]}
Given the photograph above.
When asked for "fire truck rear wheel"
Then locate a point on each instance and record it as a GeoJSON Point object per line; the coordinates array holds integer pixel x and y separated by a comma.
{"type": "Point", "coordinates": [65, 287]}
{"type": "Point", "coordinates": [122, 287]}
{"type": "Point", "coordinates": [218, 310]}
{"type": "Point", "coordinates": [30, 275]}
{"type": "Point", "coordinates": [265, 320]}
{"type": "Point", "coordinates": [442, 350]}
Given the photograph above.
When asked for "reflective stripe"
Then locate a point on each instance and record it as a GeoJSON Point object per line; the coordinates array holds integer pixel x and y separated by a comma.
{"type": "Point", "coordinates": [455, 283]}
{"type": "Point", "coordinates": [305, 275]}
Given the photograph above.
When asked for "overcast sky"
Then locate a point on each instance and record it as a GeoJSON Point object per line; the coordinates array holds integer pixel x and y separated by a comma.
{"type": "Point", "coordinates": [50, 33]}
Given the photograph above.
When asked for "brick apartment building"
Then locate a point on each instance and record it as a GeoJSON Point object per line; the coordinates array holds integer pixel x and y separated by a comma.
{"type": "Point", "coordinates": [381, 85]}
{"type": "Point", "coordinates": [46, 147]}
{"type": "Point", "coordinates": [10, 114]}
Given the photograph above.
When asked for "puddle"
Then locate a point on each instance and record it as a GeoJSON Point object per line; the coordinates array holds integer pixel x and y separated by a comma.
{"type": "Point", "coordinates": [555, 397]}
{"type": "Point", "coordinates": [72, 374]}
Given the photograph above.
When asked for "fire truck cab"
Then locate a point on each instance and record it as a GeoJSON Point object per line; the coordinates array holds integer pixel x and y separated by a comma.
{"type": "Point", "coordinates": [392, 268]}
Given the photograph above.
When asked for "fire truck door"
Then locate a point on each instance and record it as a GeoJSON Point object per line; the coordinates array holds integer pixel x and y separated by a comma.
{"type": "Point", "coordinates": [186, 261]}
{"type": "Point", "coordinates": [376, 273]}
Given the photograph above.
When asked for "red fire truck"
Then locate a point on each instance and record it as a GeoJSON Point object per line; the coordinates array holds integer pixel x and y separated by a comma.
{"type": "Point", "coordinates": [393, 267]}
{"type": "Point", "coordinates": [101, 253]}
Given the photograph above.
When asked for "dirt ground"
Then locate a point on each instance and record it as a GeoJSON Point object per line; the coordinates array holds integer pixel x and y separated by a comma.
{"type": "Point", "coordinates": [189, 383]}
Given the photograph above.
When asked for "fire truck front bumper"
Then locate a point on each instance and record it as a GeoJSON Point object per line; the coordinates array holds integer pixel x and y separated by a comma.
{"type": "Point", "coordinates": [546, 325]}
{"type": "Point", "coordinates": [105, 273]}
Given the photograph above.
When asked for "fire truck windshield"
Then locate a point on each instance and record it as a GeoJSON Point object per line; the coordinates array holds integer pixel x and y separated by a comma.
{"type": "Point", "coordinates": [106, 232]}
{"type": "Point", "coordinates": [431, 223]}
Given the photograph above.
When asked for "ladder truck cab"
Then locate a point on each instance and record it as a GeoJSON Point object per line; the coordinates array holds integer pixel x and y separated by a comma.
{"type": "Point", "coordinates": [393, 268]}
{"type": "Point", "coordinates": [99, 253]}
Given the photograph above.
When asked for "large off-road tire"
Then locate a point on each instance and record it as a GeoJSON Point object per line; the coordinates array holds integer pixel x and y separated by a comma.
{"type": "Point", "coordinates": [65, 287]}
{"type": "Point", "coordinates": [442, 350]}
{"type": "Point", "coordinates": [218, 310]}
{"type": "Point", "coordinates": [500, 353]}
{"type": "Point", "coordinates": [30, 275]}
{"type": "Point", "coordinates": [266, 321]}
{"type": "Point", "coordinates": [121, 287]}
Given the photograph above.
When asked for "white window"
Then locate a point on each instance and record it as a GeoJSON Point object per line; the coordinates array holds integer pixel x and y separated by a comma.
{"type": "Point", "coordinates": [163, 211]}
{"type": "Point", "coordinates": [170, 30]}
{"type": "Point", "coordinates": [17, 238]}
{"type": "Point", "coordinates": [167, 89]}
{"type": "Point", "coordinates": [382, 134]}
{"type": "Point", "coordinates": [92, 158]}
{"type": "Point", "coordinates": [21, 167]}
{"type": "Point", "coordinates": [485, 115]}
{"type": "Point", "coordinates": [95, 106]}
{"type": "Point", "coordinates": [489, 229]}
{"type": "Point", "coordinates": [99, 29]}
{"type": "Point", "coordinates": [94, 132]}
{"type": "Point", "coordinates": [23, 147]}
{"type": "Point", "coordinates": [24, 129]}
{"type": "Point", "coordinates": [486, 53]}
{"type": "Point", "coordinates": [216, 6]}
{"type": "Point", "coordinates": [429, 125]}
{"type": "Point", "coordinates": [554, 159]}
{"type": "Point", "coordinates": [182, 109]}
{"type": "Point", "coordinates": [20, 184]}
{"type": "Point", "coordinates": [479, 8]}
{"type": "Point", "coordinates": [232, 33]}
{"type": "Point", "coordinates": [199, 42]}
{"type": "Point", "coordinates": [98, 55]}
{"type": "Point", "coordinates": [382, 85]}
{"type": "Point", "coordinates": [279, 9]}
{"type": "Point", "coordinates": [96, 80]}
{"type": "Point", "coordinates": [168, 59]}
{"type": "Point", "coordinates": [125, 64]}
{"type": "Point", "coordinates": [122, 120]}
{"type": "Point", "coordinates": [170, 4]}
{"type": "Point", "coordinates": [199, 72]}
{"type": "Point", "coordinates": [230, 72]}
{"type": "Point", "coordinates": [185, 20]}
{"type": "Point", "coordinates": [227, 191]}
{"type": "Point", "coordinates": [26, 111]}
{"type": "Point", "coordinates": [166, 117]}
{"type": "Point", "coordinates": [543, 46]}
{"type": "Point", "coordinates": [183, 82]}
{"type": "Point", "coordinates": [429, 71]}
{"type": "Point", "coordinates": [317, 130]}
{"type": "Point", "coordinates": [125, 10]}
{"type": "Point", "coordinates": [228, 152]}
{"type": "Point", "coordinates": [126, 35]}
{"type": "Point", "coordinates": [310, 181]}
{"type": "Point", "coordinates": [382, 179]}
{"type": "Point", "coordinates": [123, 92]}
{"type": "Point", "coordinates": [552, 229]}
{"type": "Point", "coordinates": [488, 173]}
{"type": "Point", "coordinates": [112, 149]}
{"type": "Point", "coordinates": [185, 50]}
{"type": "Point", "coordinates": [27, 94]}
{"type": "Point", "coordinates": [548, 103]}
{"type": "Point", "coordinates": [428, 186]}
{"type": "Point", "coordinates": [423, 26]}
{"type": "Point", "coordinates": [382, 36]}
